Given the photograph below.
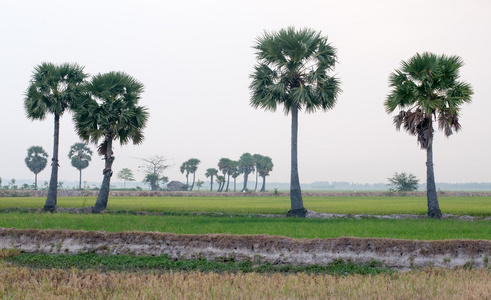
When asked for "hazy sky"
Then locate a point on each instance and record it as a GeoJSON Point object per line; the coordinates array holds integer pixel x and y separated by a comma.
{"type": "Point", "coordinates": [195, 58]}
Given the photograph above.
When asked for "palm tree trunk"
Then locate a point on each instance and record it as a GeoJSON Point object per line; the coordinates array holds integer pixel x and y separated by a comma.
{"type": "Point", "coordinates": [246, 175]}
{"type": "Point", "coordinates": [228, 181]}
{"type": "Point", "coordinates": [35, 181]}
{"type": "Point", "coordinates": [434, 211]}
{"type": "Point", "coordinates": [103, 196]}
{"type": "Point", "coordinates": [194, 175]}
{"type": "Point", "coordinates": [255, 188]}
{"type": "Point", "coordinates": [80, 179]}
{"type": "Point", "coordinates": [263, 189]}
{"type": "Point", "coordinates": [296, 200]}
{"type": "Point", "coordinates": [211, 184]}
{"type": "Point", "coordinates": [51, 199]}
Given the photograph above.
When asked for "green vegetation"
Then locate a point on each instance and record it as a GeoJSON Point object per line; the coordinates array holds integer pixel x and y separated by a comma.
{"type": "Point", "coordinates": [417, 229]}
{"type": "Point", "coordinates": [474, 206]}
{"type": "Point", "coordinates": [164, 263]}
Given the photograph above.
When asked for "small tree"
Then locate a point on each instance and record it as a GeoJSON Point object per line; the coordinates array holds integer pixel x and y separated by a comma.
{"type": "Point", "coordinates": [152, 180]}
{"type": "Point", "coordinates": [403, 182]}
{"type": "Point", "coordinates": [126, 175]}
{"type": "Point", "coordinates": [199, 184]}
{"type": "Point", "coordinates": [36, 161]}
{"type": "Point", "coordinates": [153, 169]}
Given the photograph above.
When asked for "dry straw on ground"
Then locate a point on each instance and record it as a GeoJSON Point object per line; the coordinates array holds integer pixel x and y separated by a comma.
{"type": "Point", "coordinates": [25, 283]}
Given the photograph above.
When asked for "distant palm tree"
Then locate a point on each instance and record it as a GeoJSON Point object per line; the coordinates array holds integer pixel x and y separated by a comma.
{"type": "Point", "coordinates": [210, 172]}
{"type": "Point", "coordinates": [53, 89]}
{"type": "Point", "coordinates": [36, 161]}
{"type": "Point", "coordinates": [225, 165]}
{"type": "Point", "coordinates": [264, 166]}
{"type": "Point", "coordinates": [110, 112]}
{"type": "Point", "coordinates": [426, 87]}
{"type": "Point", "coordinates": [257, 157]}
{"type": "Point", "coordinates": [80, 155]}
{"type": "Point", "coordinates": [292, 71]}
{"type": "Point", "coordinates": [246, 166]}
{"type": "Point", "coordinates": [235, 172]}
{"type": "Point", "coordinates": [190, 167]}
{"type": "Point", "coordinates": [221, 182]}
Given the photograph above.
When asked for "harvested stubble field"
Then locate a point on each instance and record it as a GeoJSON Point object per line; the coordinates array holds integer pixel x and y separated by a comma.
{"type": "Point", "coordinates": [424, 283]}
{"type": "Point", "coordinates": [27, 283]}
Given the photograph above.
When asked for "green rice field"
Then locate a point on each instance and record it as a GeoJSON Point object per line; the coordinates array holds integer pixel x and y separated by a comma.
{"type": "Point", "coordinates": [473, 206]}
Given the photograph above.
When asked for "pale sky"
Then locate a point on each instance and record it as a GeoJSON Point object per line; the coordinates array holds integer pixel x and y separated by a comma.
{"type": "Point", "coordinates": [195, 57]}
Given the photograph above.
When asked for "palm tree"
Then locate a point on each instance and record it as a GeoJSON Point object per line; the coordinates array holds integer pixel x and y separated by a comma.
{"type": "Point", "coordinates": [210, 172]}
{"type": "Point", "coordinates": [221, 182]}
{"type": "Point", "coordinates": [192, 167]}
{"type": "Point", "coordinates": [292, 70]}
{"type": "Point", "coordinates": [80, 155]}
{"type": "Point", "coordinates": [246, 166]}
{"type": "Point", "coordinates": [426, 89]}
{"type": "Point", "coordinates": [264, 166]}
{"type": "Point", "coordinates": [225, 165]}
{"type": "Point", "coordinates": [257, 158]}
{"type": "Point", "coordinates": [36, 161]}
{"type": "Point", "coordinates": [235, 172]}
{"type": "Point", "coordinates": [53, 89]}
{"type": "Point", "coordinates": [108, 113]}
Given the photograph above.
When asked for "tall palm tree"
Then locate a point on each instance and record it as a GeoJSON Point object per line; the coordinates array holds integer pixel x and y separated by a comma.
{"type": "Point", "coordinates": [53, 89]}
{"type": "Point", "coordinates": [426, 89]}
{"type": "Point", "coordinates": [246, 166]}
{"type": "Point", "coordinates": [264, 166]}
{"type": "Point", "coordinates": [210, 172]}
{"type": "Point", "coordinates": [108, 113]}
{"type": "Point", "coordinates": [80, 155]}
{"type": "Point", "coordinates": [293, 70]}
{"type": "Point", "coordinates": [36, 161]}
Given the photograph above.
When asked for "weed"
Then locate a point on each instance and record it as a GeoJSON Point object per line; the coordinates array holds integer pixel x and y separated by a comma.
{"type": "Point", "coordinates": [486, 261]}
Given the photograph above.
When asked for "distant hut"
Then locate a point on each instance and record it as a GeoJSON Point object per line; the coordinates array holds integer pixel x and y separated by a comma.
{"type": "Point", "coordinates": [177, 186]}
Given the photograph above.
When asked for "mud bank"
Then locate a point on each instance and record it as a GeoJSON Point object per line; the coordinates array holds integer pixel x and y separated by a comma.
{"type": "Point", "coordinates": [400, 254]}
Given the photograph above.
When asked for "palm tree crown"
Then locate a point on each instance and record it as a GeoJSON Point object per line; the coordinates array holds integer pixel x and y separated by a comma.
{"type": "Point", "coordinates": [110, 111]}
{"type": "Point", "coordinates": [427, 86]}
{"type": "Point", "coordinates": [292, 70]}
{"type": "Point", "coordinates": [53, 89]}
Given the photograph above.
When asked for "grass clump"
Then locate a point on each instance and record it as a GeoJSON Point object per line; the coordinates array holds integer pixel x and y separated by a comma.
{"type": "Point", "coordinates": [90, 260]}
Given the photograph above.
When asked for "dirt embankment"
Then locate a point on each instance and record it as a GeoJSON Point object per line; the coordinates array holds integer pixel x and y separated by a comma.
{"type": "Point", "coordinates": [401, 254]}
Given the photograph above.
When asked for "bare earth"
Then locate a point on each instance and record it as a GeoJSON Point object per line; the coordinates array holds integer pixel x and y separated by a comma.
{"type": "Point", "coordinates": [400, 254]}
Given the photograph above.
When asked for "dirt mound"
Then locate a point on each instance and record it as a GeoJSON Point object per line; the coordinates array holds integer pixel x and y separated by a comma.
{"type": "Point", "coordinates": [401, 254]}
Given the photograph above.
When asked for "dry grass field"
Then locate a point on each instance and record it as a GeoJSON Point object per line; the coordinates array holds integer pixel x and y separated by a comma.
{"type": "Point", "coordinates": [26, 283]}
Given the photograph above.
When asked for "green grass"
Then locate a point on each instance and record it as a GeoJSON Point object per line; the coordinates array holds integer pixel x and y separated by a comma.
{"type": "Point", "coordinates": [474, 206]}
{"type": "Point", "coordinates": [164, 263]}
{"type": "Point", "coordinates": [417, 229]}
